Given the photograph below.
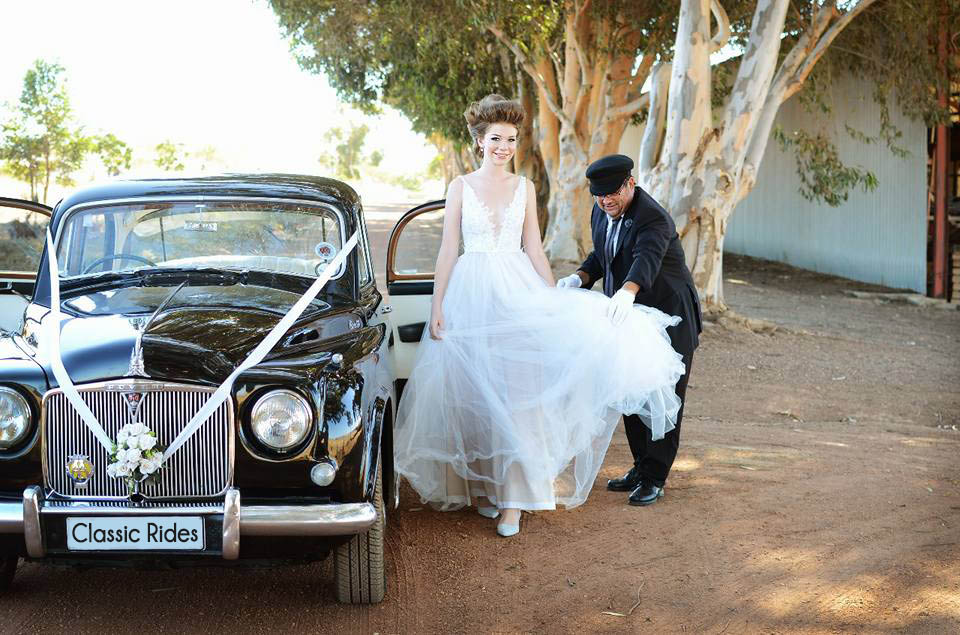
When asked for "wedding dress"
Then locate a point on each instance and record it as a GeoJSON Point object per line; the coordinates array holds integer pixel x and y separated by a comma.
{"type": "Point", "coordinates": [519, 399]}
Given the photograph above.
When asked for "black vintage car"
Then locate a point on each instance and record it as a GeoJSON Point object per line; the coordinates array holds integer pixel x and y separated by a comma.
{"type": "Point", "coordinates": [165, 287]}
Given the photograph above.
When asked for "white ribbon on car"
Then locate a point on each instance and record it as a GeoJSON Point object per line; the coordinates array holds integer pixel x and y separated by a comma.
{"type": "Point", "coordinates": [56, 362]}
{"type": "Point", "coordinates": [222, 393]}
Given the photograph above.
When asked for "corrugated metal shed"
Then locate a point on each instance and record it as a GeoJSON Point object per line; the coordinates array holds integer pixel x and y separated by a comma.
{"type": "Point", "coordinates": [878, 236]}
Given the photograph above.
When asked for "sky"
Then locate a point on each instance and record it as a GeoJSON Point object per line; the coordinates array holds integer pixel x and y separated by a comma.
{"type": "Point", "coordinates": [202, 72]}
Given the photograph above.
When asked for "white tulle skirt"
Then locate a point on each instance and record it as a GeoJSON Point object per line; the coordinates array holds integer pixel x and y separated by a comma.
{"type": "Point", "coordinates": [519, 399]}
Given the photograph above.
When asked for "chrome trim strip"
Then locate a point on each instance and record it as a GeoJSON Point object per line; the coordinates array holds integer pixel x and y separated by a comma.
{"type": "Point", "coordinates": [32, 532]}
{"type": "Point", "coordinates": [200, 199]}
{"type": "Point", "coordinates": [81, 509]}
{"type": "Point", "coordinates": [307, 520]}
{"type": "Point", "coordinates": [185, 468]}
{"type": "Point", "coordinates": [11, 517]}
{"type": "Point", "coordinates": [231, 524]}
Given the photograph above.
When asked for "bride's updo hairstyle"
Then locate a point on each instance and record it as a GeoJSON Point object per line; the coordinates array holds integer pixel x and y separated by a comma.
{"type": "Point", "coordinates": [490, 110]}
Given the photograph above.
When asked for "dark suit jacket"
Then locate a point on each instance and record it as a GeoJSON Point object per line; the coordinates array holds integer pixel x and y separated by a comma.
{"type": "Point", "coordinates": [649, 254]}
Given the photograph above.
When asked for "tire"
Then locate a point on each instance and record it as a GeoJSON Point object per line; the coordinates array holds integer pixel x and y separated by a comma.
{"type": "Point", "coordinates": [359, 570]}
{"type": "Point", "coordinates": [8, 569]}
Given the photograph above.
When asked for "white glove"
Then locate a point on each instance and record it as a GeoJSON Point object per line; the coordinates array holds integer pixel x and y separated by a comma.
{"type": "Point", "coordinates": [569, 282]}
{"type": "Point", "coordinates": [620, 306]}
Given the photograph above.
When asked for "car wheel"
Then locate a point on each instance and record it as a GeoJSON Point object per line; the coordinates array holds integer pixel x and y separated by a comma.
{"type": "Point", "coordinates": [359, 570]}
{"type": "Point", "coordinates": [8, 568]}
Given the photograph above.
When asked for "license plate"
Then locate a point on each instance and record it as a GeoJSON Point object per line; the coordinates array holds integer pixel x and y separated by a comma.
{"type": "Point", "coordinates": [135, 533]}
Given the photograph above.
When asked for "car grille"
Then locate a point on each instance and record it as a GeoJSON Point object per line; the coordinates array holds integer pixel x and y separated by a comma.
{"type": "Point", "coordinates": [202, 467]}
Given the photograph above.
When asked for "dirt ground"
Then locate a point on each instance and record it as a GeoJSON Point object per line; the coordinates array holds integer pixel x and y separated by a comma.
{"type": "Point", "coordinates": [817, 490]}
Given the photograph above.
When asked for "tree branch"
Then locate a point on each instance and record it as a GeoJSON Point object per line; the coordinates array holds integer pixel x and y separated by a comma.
{"type": "Point", "coordinates": [574, 36]}
{"type": "Point", "coordinates": [628, 109]}
{"type": "Point", "coordinates": [793, 72]}
{"type": "Point", "coordinates": [656, 118]}
{"type": "Point", "coordinates": [581, 13]}
{"type": "Point", "coordinates": [722, 36]}
{"type": "Point", "coordinates": [532, 71]}
{"type": "Point", "coordinates": [558, 70]}
{"type": "Point", "coordinates": [828, 38]}
{"type": "Point", "coordinates": [754, 78]}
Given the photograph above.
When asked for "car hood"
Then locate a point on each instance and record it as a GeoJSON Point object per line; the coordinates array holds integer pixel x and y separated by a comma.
{"type": "Point", "coordinates": [199, 336]}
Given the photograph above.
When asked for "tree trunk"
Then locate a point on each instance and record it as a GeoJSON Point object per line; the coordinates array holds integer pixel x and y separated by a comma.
{"type": "Point", "coordinates": [46, 179]}
{"type": "Point", "coordinates": [528, 160]}
{"type": "Point", "coordinates": [568, 236]}
{"type": "Point", "coordinates": [585, 97]}
{"type": "Point", "coordinates": [698, 172]}
{"type": "Point", "coordinates": [702, 240]}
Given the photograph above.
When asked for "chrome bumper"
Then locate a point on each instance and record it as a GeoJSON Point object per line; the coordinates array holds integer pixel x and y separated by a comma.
{"type": "Point", "coordinates": [338, 519]}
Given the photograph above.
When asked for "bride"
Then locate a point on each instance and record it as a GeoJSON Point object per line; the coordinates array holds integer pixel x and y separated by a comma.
{"type": "Point", "coordinates": [518, 385]}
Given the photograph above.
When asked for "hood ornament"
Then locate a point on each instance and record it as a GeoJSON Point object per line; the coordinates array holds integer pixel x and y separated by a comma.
{"type": "Point", "coordinates": [140, 325]}
{"type": "Point", "coordinates": [135, 368]}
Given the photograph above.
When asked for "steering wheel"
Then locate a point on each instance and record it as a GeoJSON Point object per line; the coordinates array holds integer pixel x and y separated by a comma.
{"type": "Point", "coordinates": [100, 261]}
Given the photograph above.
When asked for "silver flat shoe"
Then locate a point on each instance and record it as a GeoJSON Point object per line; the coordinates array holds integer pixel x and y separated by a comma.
{"type": "Point", "coordinates": [488, 512]}
{"type": "Point", "coordinates": [506, 530]}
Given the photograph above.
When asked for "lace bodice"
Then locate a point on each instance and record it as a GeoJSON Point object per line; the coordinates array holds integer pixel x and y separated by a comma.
{"type": "Point", "coordinates": [490, 230]}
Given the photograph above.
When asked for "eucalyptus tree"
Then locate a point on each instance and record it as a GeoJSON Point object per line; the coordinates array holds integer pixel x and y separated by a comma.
{"type": "Point", "coordinates": [427, 59]}
{"type": "Point", "coordinates": [585, 64]}
{"type": "Point", "coordinates": [700, 160]}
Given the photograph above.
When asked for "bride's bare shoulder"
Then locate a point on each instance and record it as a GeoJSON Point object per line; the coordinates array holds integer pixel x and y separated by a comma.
{"type": "Point", "coordinates": [455, 187]}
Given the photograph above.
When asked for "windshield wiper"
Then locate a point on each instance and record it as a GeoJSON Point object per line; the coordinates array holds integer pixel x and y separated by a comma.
{"type": "Point", "coordinates": [156, 277]}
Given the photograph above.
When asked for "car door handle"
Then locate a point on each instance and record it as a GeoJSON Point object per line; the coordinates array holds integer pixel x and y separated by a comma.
{"type": "Point", "coordinates": [386, 309]}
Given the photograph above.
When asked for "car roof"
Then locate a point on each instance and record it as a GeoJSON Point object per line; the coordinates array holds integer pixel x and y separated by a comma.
{"type": "Point", "coordinates": [290, 186]}
{"type": "Point", "coordinates": [281, 186]}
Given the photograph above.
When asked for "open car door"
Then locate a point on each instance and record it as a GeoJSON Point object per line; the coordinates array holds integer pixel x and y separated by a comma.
{"type": "Point", "coordinates": [23, 226]}
{"type": "Point", "coordinates": [411, 258]}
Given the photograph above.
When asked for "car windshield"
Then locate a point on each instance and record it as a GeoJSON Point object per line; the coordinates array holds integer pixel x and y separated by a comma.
{"type": "Point", "coordinates": [253, 235]}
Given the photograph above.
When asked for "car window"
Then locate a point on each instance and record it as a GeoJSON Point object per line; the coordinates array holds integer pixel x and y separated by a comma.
{"type": "Point", "coordinates": [253, 235]}
{"type": "Point", "coordinates": [366, 269]}
{"type": "Point", "coordinates": [418, 244]}
{"type": "Point", "coordinates": [21, 239]}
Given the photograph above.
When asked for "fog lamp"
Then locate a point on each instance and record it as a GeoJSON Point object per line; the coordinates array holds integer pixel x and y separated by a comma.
{"type": "Point", "coordinates": [324, 472]}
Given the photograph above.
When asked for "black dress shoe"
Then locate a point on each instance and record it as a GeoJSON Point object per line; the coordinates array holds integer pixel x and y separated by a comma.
{"type": "Point", "coordinates": [625, 483]}
{"type": "Point", "coordinates": [645, 494]}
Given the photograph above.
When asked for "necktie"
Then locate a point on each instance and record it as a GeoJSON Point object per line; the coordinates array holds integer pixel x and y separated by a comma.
{"type": "Point", "coordinates": [609, 250]}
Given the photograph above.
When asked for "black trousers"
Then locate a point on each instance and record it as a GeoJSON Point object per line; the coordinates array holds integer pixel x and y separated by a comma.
{"type": "Point", "coordinates": [653, 459]}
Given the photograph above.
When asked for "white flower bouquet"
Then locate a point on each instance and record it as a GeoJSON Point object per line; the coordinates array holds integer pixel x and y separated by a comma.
{"type": "Point", "coordinates": [136, 456]}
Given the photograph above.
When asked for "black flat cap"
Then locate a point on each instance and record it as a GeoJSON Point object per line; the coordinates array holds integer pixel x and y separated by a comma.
{"type": "Point", "coordinates": [608, 173]}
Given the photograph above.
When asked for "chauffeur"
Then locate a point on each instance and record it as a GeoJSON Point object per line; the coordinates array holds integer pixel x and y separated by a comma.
{"type": "Point", "coordinates": [638, 257]}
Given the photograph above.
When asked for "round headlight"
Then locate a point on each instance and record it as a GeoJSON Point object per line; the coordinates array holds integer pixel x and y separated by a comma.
{"type": "Point", "coordinates": [281, 419]}
{"type": "Point", "coordinates": [14, 417]}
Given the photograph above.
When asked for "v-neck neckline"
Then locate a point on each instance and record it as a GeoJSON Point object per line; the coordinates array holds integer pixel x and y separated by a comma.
{"type": "Point", "coordinates": [489, 210]}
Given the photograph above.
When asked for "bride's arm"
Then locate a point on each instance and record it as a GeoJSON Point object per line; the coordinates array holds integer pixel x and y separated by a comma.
{"type": "Point", "coordinates": [532, 243]}
{"type": "Point", "coordinates": [447, 256]}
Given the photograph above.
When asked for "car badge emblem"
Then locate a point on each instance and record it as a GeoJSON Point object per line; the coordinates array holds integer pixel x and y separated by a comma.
{"type": "Point", "coordinates": [80, 469]}
{"type": "Point", "coordinates": [133, 400]}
